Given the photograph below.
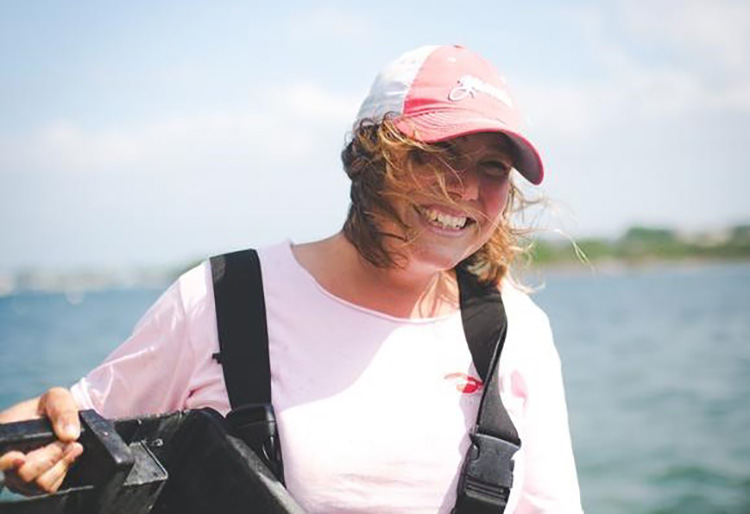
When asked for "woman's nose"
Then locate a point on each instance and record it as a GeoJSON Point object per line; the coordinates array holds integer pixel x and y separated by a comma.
{"type": "Point", "coordinates": [469, 185]}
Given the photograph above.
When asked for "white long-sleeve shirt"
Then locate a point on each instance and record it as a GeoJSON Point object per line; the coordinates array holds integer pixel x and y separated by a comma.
{"type": "Point", "coordinates": [373, 410]}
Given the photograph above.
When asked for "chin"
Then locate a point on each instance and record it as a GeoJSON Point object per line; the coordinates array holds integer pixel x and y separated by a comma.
{"type": "Point", "coordinates": [436, 257]}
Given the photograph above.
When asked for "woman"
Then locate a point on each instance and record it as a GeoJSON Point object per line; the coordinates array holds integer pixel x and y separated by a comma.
{"type": "Point", "coordinates": [372, 381]}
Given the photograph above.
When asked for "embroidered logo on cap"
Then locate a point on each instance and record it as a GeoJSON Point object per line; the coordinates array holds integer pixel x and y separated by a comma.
{"type": "Point", "coordinates": [469, 85]}
{"type": "Point", "coordinates": [464, 383]}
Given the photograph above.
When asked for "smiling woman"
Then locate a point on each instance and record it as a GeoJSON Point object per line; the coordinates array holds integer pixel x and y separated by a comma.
{"type": "Point", "coordinates": [460, 187]}
{"type": "Point", "coordinates": [382, 396]}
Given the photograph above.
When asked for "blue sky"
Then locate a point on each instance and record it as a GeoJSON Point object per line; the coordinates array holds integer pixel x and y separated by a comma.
{"type": "Point", "coordinates": [139, 132]}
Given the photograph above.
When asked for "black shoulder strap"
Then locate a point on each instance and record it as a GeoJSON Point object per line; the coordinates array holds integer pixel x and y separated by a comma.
{"type": "Point", "coordinates": [241, 322]}
{"type": "Point", "coordinates": [483, 318]}
{"type": "Point", "coordinates": [243, 353]}
{"type": "Point", "coordinates": [487, 476]}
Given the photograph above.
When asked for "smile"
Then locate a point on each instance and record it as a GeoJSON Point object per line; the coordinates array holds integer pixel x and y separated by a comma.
{"type": "Point", "coordinates": [443, 220]}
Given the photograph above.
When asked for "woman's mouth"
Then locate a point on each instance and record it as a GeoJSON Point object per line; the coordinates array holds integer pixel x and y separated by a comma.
{"type": "Point", "coordinates": [442, 219]}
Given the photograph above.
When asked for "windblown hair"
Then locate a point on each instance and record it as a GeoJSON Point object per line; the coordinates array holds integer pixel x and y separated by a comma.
{"type": "Point", "coordinates": [380, 161]}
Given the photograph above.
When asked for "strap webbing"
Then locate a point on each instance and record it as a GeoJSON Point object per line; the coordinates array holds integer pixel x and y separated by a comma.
{"type": "Point", "coordinates": [242, 329]}
{"type": "Point", "coordinates": [485, 326]}
{"type": "Point", "coordinates": [487, 474]}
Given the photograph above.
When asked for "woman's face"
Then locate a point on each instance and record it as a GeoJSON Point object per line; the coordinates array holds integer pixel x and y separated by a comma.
{"type": "Point", "coordinates": [444, 231]}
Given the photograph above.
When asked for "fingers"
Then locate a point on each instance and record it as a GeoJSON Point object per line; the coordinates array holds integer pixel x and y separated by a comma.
{"type": "Point", "coordinates": [12, 460]}
{"type": "Point", "coordinates": [41, 460]}
{"type": "Point", "coordinates": [51, 479]}
{"type": "Point", "coordinates": [44, 469]}
{"type": "Point", "coordinates": [60, 407]}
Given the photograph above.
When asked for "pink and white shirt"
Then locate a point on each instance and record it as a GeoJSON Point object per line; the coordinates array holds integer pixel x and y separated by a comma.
{"type": "Point", "coordinates": [373, 410]}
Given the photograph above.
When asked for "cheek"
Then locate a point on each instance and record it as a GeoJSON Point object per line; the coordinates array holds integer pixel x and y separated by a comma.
{"type": "Point", "coordinates": [495, 197]}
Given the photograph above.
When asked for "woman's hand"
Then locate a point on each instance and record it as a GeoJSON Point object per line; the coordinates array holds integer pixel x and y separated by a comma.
{"type": "Point", "coordinates": [42, 470]}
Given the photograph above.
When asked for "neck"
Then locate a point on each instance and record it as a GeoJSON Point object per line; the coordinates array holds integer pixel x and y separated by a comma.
{"type": "Point", "coordinates": [401, 292]}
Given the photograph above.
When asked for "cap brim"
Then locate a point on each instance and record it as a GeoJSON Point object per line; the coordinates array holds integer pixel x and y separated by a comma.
{"type": "Point", "coordinates": [435, 126]}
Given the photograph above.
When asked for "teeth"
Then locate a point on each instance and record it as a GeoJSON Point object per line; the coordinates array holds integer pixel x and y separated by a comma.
{"type": "Point", "coordinates": [444, 220]}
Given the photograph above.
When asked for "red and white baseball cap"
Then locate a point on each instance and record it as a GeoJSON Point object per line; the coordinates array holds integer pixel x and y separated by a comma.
{"type": "Point", "coordinates": [435, 93]}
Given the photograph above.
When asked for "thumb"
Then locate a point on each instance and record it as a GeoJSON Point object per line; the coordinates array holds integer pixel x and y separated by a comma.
{"type": "Point", "coordinates": [59, 406]}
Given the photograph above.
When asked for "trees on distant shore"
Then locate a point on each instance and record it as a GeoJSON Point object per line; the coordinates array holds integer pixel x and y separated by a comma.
{"type": "Point", "coordinates": [643, 244]}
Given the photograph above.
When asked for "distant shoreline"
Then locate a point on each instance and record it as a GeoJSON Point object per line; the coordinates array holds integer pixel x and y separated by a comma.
{"type": "Point", "coordinates": [644, 247]}
{"type": "Point", "coordinates": [619, 267]}
{"type": "Point", "coordinates": [74, 285]}
{"type": "Point", "coordinates": [638, 249]}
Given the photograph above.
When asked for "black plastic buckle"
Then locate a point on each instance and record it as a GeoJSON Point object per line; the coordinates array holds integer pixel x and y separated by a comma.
{"type": "Point", "coordinates": [487, 475]}
{"type": "Point", "coordinates": [255, 424]}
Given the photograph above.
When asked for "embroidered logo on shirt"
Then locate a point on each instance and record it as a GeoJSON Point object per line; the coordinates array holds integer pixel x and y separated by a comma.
{"type": "Point", "coordinates": [464, 383]}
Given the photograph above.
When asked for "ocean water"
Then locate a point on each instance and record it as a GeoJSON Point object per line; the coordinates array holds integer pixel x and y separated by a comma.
{"type": "Point", "coordinates": [657, 369]}
{"type": "Point", "coordinates": [656, 363]}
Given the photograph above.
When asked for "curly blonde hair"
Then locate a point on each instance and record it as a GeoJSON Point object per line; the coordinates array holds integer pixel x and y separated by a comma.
{"type": "Point", "coordinates": [380, 161]}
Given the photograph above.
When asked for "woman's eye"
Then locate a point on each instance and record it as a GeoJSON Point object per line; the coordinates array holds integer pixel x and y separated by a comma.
{"type": "Point", "coordinates": [494, 169]}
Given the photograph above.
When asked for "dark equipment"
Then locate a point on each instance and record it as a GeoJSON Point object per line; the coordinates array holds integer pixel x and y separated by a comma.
{"type": "Point", "coordinates": [184, 462]}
